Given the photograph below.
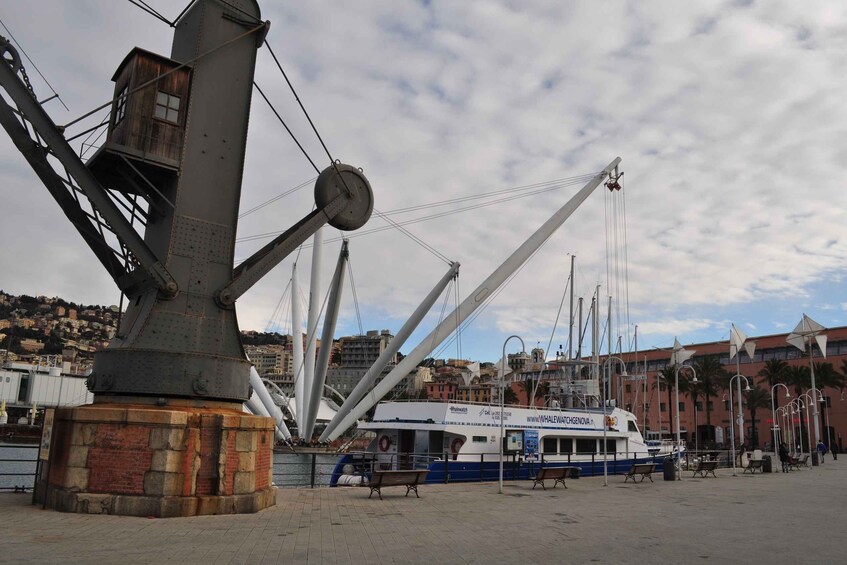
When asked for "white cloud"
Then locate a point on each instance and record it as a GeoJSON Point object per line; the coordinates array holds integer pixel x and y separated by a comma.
{"type": "Point", "coordinates": [729, 120]}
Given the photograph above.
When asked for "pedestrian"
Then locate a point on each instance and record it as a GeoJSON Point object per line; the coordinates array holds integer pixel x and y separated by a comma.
{"type": "Point", "coordinates": [783, 456]}
{"type": "Point", "coordinates": [821, 449]}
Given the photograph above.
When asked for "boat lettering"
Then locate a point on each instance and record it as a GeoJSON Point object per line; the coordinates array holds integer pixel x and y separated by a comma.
{"type": "Point", "coordinates": [559, 419]}
{"type": "Point", "coordinates": [459, 409]}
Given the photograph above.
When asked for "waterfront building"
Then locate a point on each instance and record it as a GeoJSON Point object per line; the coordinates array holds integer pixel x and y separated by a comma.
{"type": "Point", "coordinates": [707, 422]}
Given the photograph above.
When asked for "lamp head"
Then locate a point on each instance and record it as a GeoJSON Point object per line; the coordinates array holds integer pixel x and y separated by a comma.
{"type": "Point", "coordinates": [787, 394]}
{"type": "Point", "coordinates": [747, 388]}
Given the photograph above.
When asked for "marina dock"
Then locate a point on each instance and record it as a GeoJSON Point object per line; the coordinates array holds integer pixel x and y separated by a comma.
{"type": "Point", "coordinates": [770, 518]}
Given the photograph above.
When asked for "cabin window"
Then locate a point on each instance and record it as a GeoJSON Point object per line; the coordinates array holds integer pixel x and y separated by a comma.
{"type": "Point", "coordinates": [586, 446]}
{"type": "Point", "coordinates": [611, 446]}
{"type": "Point", "coordinates": [551, 445]}
{"type": "Point", "coordinates": [565, 445]}
{"type": "Point", "coordinates": [120, 110]}
{"type": "Point", "coordinates": [480, 439]}
{"type": "Point", "coordinates": [630, 426]}
{"type": "Point", "coordinates": [167, 107]}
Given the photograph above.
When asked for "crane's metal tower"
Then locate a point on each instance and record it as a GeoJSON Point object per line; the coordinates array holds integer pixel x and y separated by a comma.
{"type": "Point", "coordinates": [169, 388]}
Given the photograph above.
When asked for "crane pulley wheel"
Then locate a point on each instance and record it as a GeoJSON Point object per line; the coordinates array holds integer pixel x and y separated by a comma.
{"type": "Point", "coordinates": [10, 54]}
{"type": "Point", "coordinates": [337, 179]}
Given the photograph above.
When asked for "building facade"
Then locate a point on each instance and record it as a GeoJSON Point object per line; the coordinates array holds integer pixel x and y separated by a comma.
{"type": "Point", "coordinates": [714, 421]}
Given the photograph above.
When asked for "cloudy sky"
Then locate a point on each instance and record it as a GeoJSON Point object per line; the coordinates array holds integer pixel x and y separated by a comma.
{"type": "Point", "coordinates": [729, 118]}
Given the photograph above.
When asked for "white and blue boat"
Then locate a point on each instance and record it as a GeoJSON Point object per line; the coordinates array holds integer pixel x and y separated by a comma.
{"type": "Point", "coordinates": [459, 442]}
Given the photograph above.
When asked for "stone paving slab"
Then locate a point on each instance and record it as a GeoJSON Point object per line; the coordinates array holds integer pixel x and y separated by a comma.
{"type": "Point", "coordinates": [772, 518]}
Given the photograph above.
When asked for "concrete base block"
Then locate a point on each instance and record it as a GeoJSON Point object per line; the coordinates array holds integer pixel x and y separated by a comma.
{"type": "Point", "coordinates": [142, 460]}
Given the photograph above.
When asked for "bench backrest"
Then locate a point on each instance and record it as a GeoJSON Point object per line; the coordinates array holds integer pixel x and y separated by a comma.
{"type": "Point", "coordinates": [552, 472]}
{"type": "Point", "coordinates": [708, 465]}
{"type": "Point", "coordinates": [643, 468]}
{"type": "Point", "coordinates": [389, 478]}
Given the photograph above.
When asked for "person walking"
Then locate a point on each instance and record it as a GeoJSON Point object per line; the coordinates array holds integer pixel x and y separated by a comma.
{"type": "Point", "coordinates": [821, 449]}
{"type": "Point", "coordinates": [783, 456]}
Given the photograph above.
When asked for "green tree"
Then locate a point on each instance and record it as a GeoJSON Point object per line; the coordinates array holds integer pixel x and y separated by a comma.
{"type": "Point", "coordinates": [666, 380]}
{"type": "Point", "coordinates": [756, 398]}
{"type": "Point", "coordinates": [712, 374]}
{"type": "Point", "coordinates": [773, 372]}
{"type": "Point", "coordinates": [798, 376]}
{"type": "Point", "coordinates": [509, 396]}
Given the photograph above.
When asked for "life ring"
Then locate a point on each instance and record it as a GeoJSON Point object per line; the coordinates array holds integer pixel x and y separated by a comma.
{"type": "Point", "coordinates": [384, 443]}
{"type": "Point", "coordinates": [456, 445]}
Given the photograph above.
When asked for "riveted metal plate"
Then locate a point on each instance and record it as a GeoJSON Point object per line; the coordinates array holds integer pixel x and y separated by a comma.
{"type": "Point", "coordinates": [203, 241]}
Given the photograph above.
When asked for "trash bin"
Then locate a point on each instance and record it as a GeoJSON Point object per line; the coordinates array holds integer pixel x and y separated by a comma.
{"type": "Point", "coordinates": [767, 465]}
{"type": "Point", "coordinates": [670, 469]}
{"type": "Point", "coordinates": [815, 459]}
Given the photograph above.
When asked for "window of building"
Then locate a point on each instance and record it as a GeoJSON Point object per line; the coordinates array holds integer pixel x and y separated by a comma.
{"type": "Point", "coordinates": [167, 107]}
{"type": "Point", "coordinates": [629, 388]}
{"type": "Point", "coordinates": [586, 446]}
{"type": "Point", "coordinates": [551, 445]}
{"type": "Point", "coordinates": [710, 406]}
{"type": "Point", "coordinates": [565, 445]}
{"type": "Point", "coordinates": [698, 405]}
{"type": "Point", "coordinates": [120, 110]}
{"type": "Point", "coordinates": [662, 407]}
{"type": "Point", "coordinates": [682, 406]}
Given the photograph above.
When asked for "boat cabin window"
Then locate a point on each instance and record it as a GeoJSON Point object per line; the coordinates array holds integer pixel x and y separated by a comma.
{"type": "Point", "coordinates": [611, 445]}
{"type": "Point", "coordinates": [551, 445]}
{"type": "Point", "coordinates": [630, 426]}
{"type": "Point", "coordinates": [565, 445]}
{"type": "Point", "coordinates": [480, 439]}
{"type": "Point", "coordinates": [586, 446]}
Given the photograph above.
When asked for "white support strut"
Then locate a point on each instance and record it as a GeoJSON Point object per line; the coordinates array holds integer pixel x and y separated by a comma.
{"type": "Point", "coordinates": [311, 327]}
{"type": "Point", "coordinates": [330, 319]}
{"type": "Point", "coordinates": [476, 298]}
{"type": "Point", "coordinates": [368, 379]}
{"type": "Point", "coordinates": [297, 347]}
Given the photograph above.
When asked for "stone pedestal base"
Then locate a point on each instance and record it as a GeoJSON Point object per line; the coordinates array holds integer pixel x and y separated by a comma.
{"type": "Point", "coordinates": [137, 460]}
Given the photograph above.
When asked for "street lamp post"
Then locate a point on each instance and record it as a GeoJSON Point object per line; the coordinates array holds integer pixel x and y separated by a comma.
{"type": "Point", "coordinates": [797, 406]}
{"type": "Point", "coordinates": [605, 402]}
{"type": "Point", "coordinates": [502, 397]}
{"type": "Point", "coordinates": [740, 418]}
{"type": "Point", "coordinates": [773, 413]}
{"type": "Point", "coordinates": [809, 402]}
{"type": "Point", "coordinates": [678, 442]}
{"type": "Point", "coordinates": [826, 416]}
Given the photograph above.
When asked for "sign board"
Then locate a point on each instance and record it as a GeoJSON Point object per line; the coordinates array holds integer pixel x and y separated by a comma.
{"type": "Point", "coordinates": [46, 434]}
{"type": "Point", "coordinates": [530, 445]}
{"type": "Point", "coordinates": [514, 441]}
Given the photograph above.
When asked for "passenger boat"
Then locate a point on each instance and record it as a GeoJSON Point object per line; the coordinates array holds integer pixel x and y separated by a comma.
{"type": "Point", "coordinates": [460, 441]}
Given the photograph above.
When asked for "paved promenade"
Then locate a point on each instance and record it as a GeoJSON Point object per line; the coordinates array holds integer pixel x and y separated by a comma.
{"type": "Point", "coordinates": [798, 517]}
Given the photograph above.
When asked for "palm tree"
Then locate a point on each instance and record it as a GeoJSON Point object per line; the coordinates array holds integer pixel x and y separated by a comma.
{"type": "Point", "coordinates": [773, 372]}
{"type": "Point", "coordinates": [756, 398]}
{"type": "Point", "coordinates": [799, 377]}
{"type": "Point", "coordinates": [666, 378]}
{"type": "Point", "coordinates": [694, 389]}
{"type": "Point", "coordinates": [711, 373]}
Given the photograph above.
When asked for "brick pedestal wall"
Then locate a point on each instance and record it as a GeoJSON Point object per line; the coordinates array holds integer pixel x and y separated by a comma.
{"type": "Point", "coordinates": [151, 461]}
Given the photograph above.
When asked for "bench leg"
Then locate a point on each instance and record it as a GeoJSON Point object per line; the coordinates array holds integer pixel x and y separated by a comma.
{"type": "Point", "coordinates": [414, 488]}
{"type": "Point", "coordinates": [650, 476]}
{"type": "Point", "coordinates": [560, 481]}
{"type": "Point", "coordinates": [375, 489]}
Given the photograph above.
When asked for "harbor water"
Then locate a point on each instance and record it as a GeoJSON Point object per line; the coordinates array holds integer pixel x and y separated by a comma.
{"type": "Point", "coordinates": [292, 470]}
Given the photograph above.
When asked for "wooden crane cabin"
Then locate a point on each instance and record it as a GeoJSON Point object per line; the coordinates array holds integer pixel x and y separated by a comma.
{"type": "Point", "coordinates": [146, 126]}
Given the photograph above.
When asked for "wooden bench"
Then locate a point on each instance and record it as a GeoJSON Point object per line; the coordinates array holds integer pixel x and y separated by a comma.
{"type": "Point", "coordinates": [703, 468]}
{"type": "Point", "coordinates": [558, 474]}
{"type": "Point", "coordinates": [643, 469]}
{"type": "Point", "coordinates": [409, 479]}
{"type": "Point", "coordinates": [753, 465]}
{"type": "Point", "coordinates": [804, 462]}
